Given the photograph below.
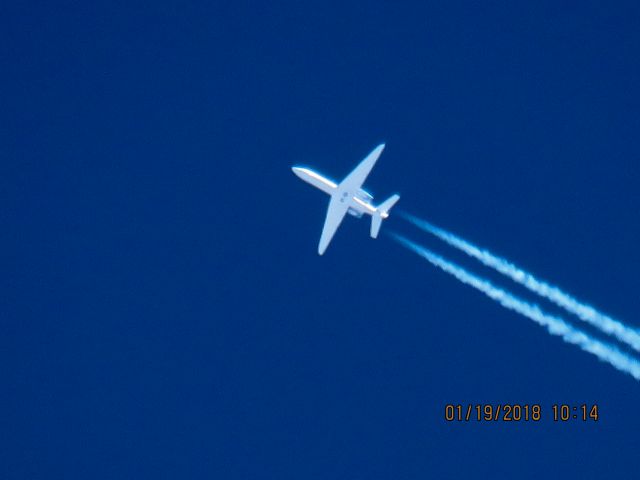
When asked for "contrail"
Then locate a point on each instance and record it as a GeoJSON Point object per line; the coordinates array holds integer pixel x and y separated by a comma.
{"type": "Point", "coordinates": [583, 311]}
{"type": "Point", "coordinates": [555, 325]}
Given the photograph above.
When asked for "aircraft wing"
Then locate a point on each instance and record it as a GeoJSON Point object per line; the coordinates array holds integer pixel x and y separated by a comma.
{"type": "Point", "coordinates": [336, 212]}
{"type": "Point", "coordinates": [356, 178]}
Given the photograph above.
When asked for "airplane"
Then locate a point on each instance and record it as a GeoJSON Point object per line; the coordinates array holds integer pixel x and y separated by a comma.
{"type": "Point", "coordinates": [348, 197]}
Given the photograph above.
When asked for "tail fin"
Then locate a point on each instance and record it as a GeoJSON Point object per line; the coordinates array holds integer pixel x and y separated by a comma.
{"type": "Point", "coordinates": [382, 212]}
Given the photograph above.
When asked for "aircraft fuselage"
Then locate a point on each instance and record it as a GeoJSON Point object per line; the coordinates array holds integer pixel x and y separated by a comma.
{"type": "Point", "coordinates": [359, 202]}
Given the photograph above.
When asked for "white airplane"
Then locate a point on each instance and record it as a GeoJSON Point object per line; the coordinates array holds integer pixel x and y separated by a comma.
{"type": "Point", "coordinates": [348, 197]}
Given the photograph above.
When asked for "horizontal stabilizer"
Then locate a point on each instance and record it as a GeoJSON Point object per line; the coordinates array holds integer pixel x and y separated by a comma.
{"type": "Point", "coordinates": [376, 223]}
{"type": "Point", "coordinates": [382, 212]}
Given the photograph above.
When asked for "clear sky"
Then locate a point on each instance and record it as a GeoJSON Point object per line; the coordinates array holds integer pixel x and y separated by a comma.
{"type": "Point", "coordinates": [164, 311]}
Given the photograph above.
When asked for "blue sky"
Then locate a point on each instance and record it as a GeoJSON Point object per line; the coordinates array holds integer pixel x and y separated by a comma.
{"type": "Point", "coordinates": [165, 312]}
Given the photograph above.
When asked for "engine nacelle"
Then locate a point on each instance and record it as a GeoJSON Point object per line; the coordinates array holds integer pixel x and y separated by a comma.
{"type": "Point", "coordinates": [354, 213]}
{"type": "Point", "coordinates": [366, 197]}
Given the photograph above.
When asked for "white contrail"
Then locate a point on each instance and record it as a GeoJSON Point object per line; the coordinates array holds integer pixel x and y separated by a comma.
{"type": "Point", "coordinates": [583, 311]}
{"type": "Point", "coordinates": [555, 325]}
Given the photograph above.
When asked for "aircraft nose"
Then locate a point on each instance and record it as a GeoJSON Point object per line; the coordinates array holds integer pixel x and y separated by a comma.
{"type": "Point", "coordinates": [297, 171]}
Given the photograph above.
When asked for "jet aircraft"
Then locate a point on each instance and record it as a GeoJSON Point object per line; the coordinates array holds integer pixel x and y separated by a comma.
{"type": "Point", "coordinates": [348, 197]}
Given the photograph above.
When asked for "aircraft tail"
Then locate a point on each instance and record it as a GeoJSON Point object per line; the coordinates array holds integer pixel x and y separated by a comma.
{"type": "Point", "coordinates": [382, 212]}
